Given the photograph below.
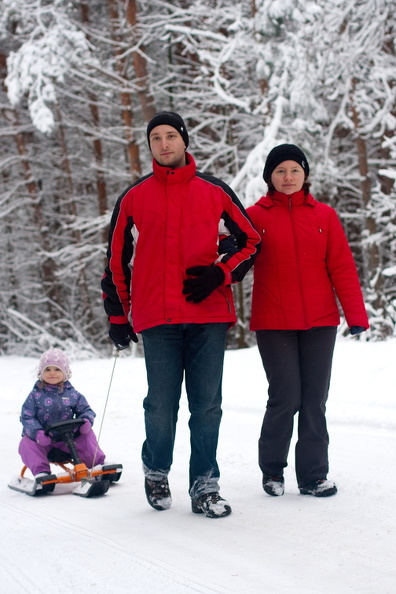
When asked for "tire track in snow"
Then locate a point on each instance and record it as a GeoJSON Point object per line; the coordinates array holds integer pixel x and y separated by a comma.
{"type": "Point", "coordinates": [13, 580]}
{"type": "Point", "coordinates": [143, 570]}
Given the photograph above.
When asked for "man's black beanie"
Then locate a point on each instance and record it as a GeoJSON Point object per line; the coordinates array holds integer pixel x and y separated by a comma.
{"type": "Point", "coordinates": [170, 118]}
{"type": "Point", "coordinates": [284, 152]}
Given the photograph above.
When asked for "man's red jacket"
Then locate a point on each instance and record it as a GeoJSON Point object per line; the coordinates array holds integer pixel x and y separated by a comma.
{"type": "Point", "coordinates": [163, 224]}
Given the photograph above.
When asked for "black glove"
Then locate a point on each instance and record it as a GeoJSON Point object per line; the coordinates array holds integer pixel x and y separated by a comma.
{"type": "Point", "coordinates": [356, 330]}
{"type": "Point", "coordinates": [121, 335]}
{"type": "Point", "coordinates": [208, 279]}
{"type": "Point", "coordinates": [228, 245]}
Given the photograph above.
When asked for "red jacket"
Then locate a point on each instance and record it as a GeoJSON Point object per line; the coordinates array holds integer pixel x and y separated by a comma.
{"type": "Point", "coordinates": [305, 260]}
{"type": "Point", "coordinates": [163, 224]}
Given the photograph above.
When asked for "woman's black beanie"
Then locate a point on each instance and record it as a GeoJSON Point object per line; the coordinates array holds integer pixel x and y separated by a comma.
{"type": "Point", "coordinates": [170, 118]}
{"type": "Point", "coordinates": [284, 152]}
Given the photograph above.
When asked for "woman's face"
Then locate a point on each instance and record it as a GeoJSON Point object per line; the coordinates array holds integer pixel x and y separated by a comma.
{"type": "Point", "coordinates": [288, 177]}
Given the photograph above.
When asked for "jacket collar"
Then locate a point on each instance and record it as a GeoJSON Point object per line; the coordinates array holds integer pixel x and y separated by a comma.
{"type": "Point", "coordinates": [280, 199]}
{"type": "Point", "coordinates": [50, 388]}
{"type": "Point", "coordinates": [175, 176]}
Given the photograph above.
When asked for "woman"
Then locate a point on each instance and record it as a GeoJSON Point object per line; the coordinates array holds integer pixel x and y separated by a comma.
{"type": "Point", "coordinates": [304, 263]}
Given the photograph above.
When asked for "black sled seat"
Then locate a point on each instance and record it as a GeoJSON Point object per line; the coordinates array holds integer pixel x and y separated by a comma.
{"type": "Point", "coordinates": [56, 456]}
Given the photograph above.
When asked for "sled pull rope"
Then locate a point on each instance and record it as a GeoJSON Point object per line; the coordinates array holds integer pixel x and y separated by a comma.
{"type": "Point", "coordinates": [105, 406]}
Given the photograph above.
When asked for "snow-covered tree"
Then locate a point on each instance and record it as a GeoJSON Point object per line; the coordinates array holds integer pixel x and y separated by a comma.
{"type": "Point", "coordinates": [80, 80]}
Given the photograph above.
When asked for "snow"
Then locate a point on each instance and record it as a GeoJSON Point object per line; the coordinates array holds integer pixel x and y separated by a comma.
{"type": "Point", "coordinates": [346, 544]}
{"type": "Point", "coordinates": [38, 64]}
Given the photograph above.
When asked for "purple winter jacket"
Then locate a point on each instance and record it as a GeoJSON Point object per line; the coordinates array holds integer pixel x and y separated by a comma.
{"type": "Point", "coordinates": [46, 405]}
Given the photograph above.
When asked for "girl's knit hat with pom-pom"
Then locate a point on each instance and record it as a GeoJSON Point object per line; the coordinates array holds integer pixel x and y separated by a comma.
{"type": "Point", "coordinates": [57, 358]}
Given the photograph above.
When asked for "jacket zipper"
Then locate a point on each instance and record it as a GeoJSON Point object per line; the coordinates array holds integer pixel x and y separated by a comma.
{"type": "Point", "coordinates": [298, 261]}
{"type": "Point", "coordinates": [224, 293]}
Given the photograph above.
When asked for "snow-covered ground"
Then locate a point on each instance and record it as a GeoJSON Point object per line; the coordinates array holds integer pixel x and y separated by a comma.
{"type": "Point", "coordinates": [293, 544]}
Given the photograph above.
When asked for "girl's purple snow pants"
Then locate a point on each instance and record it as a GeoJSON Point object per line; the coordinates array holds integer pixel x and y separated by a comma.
{"type": "Point", "coordinates": [35, 456]}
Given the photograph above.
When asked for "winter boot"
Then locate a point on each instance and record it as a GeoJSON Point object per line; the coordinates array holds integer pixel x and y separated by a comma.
{"type": "Point", "coordinates": [212, 505]}
{"type": "Point", "coordinates": [274, 484]}
{"type": "Point", "coordinates": [158, 493]}
{"type": "Point", "coordinates": [44, 476]}
{"type": "Point", "coordinates": [319, 488]}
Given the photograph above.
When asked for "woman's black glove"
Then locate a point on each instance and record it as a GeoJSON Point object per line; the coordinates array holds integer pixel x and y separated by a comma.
{"type": "Point", "coordinates": [356, 330]}
{"type": "Point", "coordinates": [208, 279]}
{"type": "Point", "coordinates": [121, 335]}
{"type": "Point", "coordinates": [228, 245]}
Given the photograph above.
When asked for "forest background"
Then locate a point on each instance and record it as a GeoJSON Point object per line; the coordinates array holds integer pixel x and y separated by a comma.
{"type": "Point", "coordinates": [79, 80]}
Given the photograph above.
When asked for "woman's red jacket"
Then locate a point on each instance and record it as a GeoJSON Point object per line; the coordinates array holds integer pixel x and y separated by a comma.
{"type": "Point", "coordinates": [304, 265]}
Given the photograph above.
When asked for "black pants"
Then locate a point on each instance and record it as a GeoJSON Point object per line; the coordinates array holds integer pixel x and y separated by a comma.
{"type": "Point", "coordinates": [297, 364]}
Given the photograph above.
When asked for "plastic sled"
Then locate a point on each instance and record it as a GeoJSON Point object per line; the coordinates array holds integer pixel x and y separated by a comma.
{"type": "Point", "coordinates": [91, 482]}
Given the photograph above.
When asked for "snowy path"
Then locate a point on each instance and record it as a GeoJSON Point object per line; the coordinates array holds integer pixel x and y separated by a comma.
{"type": "Point", "coordinates": [118, 544]}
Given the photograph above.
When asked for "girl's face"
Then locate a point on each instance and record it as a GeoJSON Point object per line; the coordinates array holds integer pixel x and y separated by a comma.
{"type": "Point", "coordinates": [288, 177]}
{"type": "Point", "coordinates": [52, 375]}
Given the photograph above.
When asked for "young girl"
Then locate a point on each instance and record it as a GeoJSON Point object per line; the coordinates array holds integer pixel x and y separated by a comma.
{"type": "Point", "coordinates": [52, 400]}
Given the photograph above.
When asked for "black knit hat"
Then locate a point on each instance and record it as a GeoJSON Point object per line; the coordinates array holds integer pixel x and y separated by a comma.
{"type": "Point", "coordinates": [284, 152]}
{"type": "Point", "coordinates": [170, 118]}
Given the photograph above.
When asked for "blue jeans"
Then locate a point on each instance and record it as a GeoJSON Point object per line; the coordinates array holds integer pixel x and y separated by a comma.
{"type": "Point", "coordinates": [195, 351]}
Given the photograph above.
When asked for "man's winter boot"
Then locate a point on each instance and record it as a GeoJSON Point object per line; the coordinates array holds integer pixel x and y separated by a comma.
{"type": "Point", "coordinates": [319, 488]}
{"type": "Point", "coordinates": [158, 493]}
{"type": "Point", "coordinates": [274, 484]}
{"type": "Point", "coordinates": [212, 505]}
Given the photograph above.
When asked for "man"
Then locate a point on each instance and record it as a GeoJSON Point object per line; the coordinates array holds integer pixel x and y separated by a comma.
{"type": "Point", "coordinates": [166, 280]}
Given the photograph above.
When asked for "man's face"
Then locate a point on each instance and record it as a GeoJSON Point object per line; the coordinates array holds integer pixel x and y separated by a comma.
{"type": "Point", "coordinates": [167, 146]}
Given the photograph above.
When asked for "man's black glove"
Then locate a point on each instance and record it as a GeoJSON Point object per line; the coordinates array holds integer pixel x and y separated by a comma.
{"type": "Point", "coordinates": [208, 279]}
{"type": "Point", "coordinates": [121, 335]}
{"type": "Point", "coordinates": [356, 330]}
